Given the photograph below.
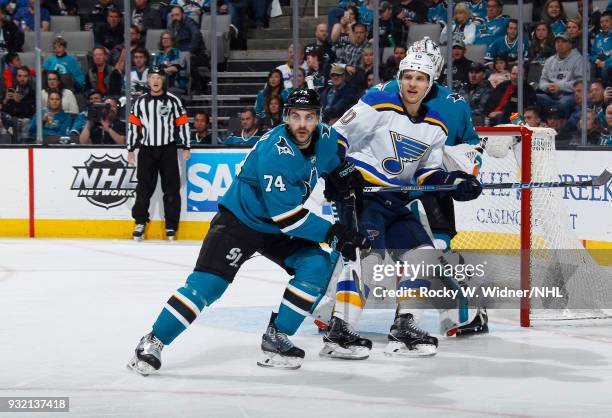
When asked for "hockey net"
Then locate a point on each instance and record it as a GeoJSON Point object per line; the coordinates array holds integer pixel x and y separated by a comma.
{"type": "Point", "coordinates": [529, 231]}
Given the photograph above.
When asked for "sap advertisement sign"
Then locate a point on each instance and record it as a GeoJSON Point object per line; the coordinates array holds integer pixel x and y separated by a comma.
{"type": "Point", "coordinates": [209, 174]}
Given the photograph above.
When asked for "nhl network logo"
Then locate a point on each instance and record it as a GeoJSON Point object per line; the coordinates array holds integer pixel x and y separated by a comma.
{"type": "Point", "coordinates": [105, 181]}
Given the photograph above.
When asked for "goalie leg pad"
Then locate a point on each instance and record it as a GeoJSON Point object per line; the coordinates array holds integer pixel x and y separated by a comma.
{"type": "Point", "coordinates": [324, 306]}
{"type": "Point", "coordinates": [349, 305]}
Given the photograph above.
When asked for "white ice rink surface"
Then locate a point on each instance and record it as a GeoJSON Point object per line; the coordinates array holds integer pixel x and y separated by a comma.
{"type": "Point", "coordinates": [72, 311]}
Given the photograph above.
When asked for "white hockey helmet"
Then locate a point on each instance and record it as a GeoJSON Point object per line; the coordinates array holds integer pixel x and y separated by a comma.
{"type": "Point", "coordinates": [429, 47]}
{"type": "Point", "coordinates": [417, 61]}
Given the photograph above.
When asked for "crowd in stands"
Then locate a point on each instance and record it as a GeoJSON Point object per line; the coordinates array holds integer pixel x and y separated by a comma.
{"type": "Point", "coordinates": [81, 96]}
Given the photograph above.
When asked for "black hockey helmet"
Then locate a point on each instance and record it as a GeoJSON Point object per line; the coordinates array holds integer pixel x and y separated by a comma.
{"type": "Point", "coordinates": [303, 99]}
{"type": "Point", "coordinates": [307, 99]}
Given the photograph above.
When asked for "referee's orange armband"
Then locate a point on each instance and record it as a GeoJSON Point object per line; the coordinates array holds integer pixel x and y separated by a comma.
{"type": "Point", "coordinates": [181, 120]}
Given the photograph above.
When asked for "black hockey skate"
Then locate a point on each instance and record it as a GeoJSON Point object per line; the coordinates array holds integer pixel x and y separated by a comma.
{"type": "Point", "coordinates": [170, 234]}
{"type": "Point", "coordinates": [408, 340]}
{"type": "Point", "coordinates": [341, 341]}
{"type": "Point", "coordinates": [278, 351]}
{"type": "Point", "coordinates": [139, 231]}
{"type": "Point", "coordinates": [478, 326]}
{"type": "Point", "coordinates": [148, 355]}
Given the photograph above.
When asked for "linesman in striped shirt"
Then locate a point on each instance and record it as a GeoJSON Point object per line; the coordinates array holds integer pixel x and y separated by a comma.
{"type": "Point", "coordinates": [158, 122]}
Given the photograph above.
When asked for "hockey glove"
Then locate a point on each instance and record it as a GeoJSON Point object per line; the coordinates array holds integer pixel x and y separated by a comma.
{"type": "Point", "coordinates": [340, 182]}
{"type": "Point", "coordinates": [468, 186]}
{"type": "Point", "coordinates": [346, 240]}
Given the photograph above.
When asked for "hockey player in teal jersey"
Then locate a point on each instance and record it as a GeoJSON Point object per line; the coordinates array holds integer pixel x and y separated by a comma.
{"type": "Point", "coordinates": [263, 211]}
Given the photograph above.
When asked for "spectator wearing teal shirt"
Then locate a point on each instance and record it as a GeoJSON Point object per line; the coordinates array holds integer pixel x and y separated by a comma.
{"type": "Point", "coordinates": [56, 122]}
{"type": "Point", "coordinates": [273, 87]}
{"type": "Point", "coordinates": [601, 52]}
{"type": "Point", "coordinates": [169, 58]}
{"type": "Point", "coordinates": [249, 133]}
{"type": "Point", "coordinates": [200, 133]}
{"type": "Point", "coordinates": [366, 14]}
{"type": "Point", "coordinates": [554, 14]}
{"type": "Point", "coordinates": [478, 9]}
{"type": "Point", "coordinates": [494, 26]}
{"type": "Point", "coordinates": [506, 46]}
{"type": "Point", "coordinates": [64, 63]}
{"type": "Point", "coordinates": [437, 12]}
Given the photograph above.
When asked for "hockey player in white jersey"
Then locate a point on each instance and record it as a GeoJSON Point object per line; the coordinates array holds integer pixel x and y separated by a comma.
{"type": "Point", "coordinates": [394, 140]}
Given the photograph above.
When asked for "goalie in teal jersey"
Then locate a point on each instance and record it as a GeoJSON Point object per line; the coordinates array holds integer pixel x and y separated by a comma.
{"type": "Point", "coordinates": [263, 212]}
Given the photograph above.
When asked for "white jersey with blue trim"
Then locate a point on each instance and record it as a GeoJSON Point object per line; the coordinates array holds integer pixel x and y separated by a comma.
{"type": "Point", "coordinates": [388, 146]}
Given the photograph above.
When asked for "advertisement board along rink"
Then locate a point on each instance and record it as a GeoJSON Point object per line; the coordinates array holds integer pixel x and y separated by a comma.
{"type": "Point", "coordinates": [88, 192]}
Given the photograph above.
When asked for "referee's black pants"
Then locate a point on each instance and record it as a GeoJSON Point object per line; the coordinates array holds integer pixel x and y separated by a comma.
{"type": "Point", "coordinates": [151, 161]}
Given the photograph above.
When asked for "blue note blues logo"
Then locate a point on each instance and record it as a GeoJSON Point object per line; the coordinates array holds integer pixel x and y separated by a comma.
{"type": "Point", "coordinates": [406, 150]}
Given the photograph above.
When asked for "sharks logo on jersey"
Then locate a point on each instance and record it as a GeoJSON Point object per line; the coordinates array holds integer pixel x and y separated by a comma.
{"type": "Point", "coordinates": [310, 184]}
{"type": "Point", "coordinates": [283, 147]}
{"type": "Point", "coordinates": [325, 130]}
{"type": "Point", "coordinates": [406, 150]}
{"type": "Point", "coordinates": [455, 97]}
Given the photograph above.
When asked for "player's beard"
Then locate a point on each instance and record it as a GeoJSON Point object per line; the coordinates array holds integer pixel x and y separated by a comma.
{"type": "Point", "coordinates": [304, 144]}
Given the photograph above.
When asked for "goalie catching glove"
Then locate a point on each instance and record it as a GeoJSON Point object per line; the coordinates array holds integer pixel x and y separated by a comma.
{"type": "Point", "coordinates": [340, 182]}
{"type": "Point", "coordinates": [346, 240]}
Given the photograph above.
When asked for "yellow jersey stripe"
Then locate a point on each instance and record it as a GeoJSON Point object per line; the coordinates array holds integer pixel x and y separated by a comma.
{"type": "Point", "coordinates": [350, 298]}
{"type": "Point", "coordinates": [437, 122]}
{"type": "Point", "coordinates": [422, 177]}
{"type": "Point", "coordinates": [388, 106]}
{"type": "Point", "coordinates": [372, 179]}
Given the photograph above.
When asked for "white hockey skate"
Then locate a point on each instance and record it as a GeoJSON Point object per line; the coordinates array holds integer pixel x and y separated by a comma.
{"type": "Point", "coordinates": [278, 351]}
{"type": "Point", "coordinates": [342, 342]}
{"type": "Point", "coordinates": [408, 340]}
{"type": "Point", "coordinates": [147, 358]}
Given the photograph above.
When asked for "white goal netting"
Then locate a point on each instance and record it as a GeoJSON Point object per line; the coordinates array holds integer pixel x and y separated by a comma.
{"type": "Point", "coordinates": [556, 257]}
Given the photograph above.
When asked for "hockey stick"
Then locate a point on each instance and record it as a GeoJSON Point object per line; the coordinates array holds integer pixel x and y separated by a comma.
{"type": "Point", "coordinates": [602, 179]}
{"type": "Point", "coordinates": [352, 268]}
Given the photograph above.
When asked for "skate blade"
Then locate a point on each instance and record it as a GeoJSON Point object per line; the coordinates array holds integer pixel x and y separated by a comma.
{"type": "Point", "coordinates": [353, 353]}
{"type": "Point", "coordinates": [138, 239]}
{"type": "Point", "coordinates": [470, 332]}
{"type": "Point", "coordinates": [140, 367]}
{"type": "Point", "coordinates": [399, 349]}
{"type": "Point", "coordinates": [276, 361]}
